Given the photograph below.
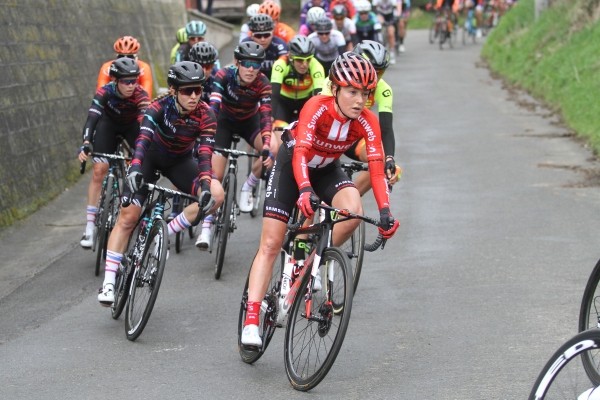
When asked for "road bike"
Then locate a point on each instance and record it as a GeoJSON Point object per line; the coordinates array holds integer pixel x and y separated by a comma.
{"type": "Point", "coordinates": [225, 220]}
{"type": "Point", "coordinates": [258, 190]}
{"type": "Point", "coordinates": [140, 273]}
{"type": "Point", "coordinates": [315, 286]}
{"type": "Point", "coordinates": [442, 29]}
{"type": "Point", "coordinates": [589, 317]}
{"type": "Point", "coordinates": [178, 206]}
{"type": "Point", "coordinates": [355, 245]}
{"type": "Point", "coordinates": [564, 375]}
{"type": "Point", "coordinates": [109, 203]}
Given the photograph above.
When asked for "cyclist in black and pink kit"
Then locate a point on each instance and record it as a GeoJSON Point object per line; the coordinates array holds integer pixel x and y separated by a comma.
{"type": "Point", "coordinates": [241, 98]}
{"type": "Point", "coordinates": [327, 126]}
{"type": "Point", "coordinates": [117, 110]}
{"type": "Point", "coordinates": [171, 127]}
{"type": "Point", "coordinates": [261, 27]}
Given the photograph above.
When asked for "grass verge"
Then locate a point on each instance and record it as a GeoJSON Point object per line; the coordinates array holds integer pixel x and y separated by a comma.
{"type": "Point", "coordinates": [555, 58]}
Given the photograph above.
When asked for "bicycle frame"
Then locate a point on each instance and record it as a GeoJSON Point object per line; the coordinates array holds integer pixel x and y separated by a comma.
{"type": "Point", "coordinates": [323, 231]}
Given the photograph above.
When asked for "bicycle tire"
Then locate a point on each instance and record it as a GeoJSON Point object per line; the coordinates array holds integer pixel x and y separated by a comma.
{"type": "Point", "coordinates": [224, 223]}
{"type": "Point", "coordinates": [102, 232]}
{"type": "Point", "coordinates": [146, 278]}
{"type": "Point", "coordinates": [589, 317]}
{"type": "Point", "coordinates": [433, 32]}
{"type": "Point", "coordinates": [355, 250]}
{"type": "Point", "coordinates": [267, 317]}
{"type": "Point", "coordinates": [305, 363]}
{"type": "Point", "coordinates": [124, 276]}
{"type": "Point", "coordinates": [122, 284]}
{"type": "Point", "coordinates": [561, 378]}
{"type": "Point", "coordinates": [257, 196]}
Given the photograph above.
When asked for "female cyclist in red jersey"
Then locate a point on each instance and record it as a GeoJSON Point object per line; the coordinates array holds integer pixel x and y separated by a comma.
{"type": "Point", "coordinates": [327, 126]}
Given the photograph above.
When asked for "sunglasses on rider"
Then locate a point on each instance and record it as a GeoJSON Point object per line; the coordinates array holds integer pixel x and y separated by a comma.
{"type": "Point", "coordinates": [303, 59]}
{"type": "Point", "coordinates": [250, 64]}
{"type": "Point", "coordinates": [187, 91]}
{"type": "Point", "coordinates": [128, 81]}
{"type": "Point", "coordinates": [323, 33]}
{"type": "Point", "coordinates": [262, 35]}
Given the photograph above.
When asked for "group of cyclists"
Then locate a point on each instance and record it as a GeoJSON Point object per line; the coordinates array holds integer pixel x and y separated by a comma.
{"type": "Point", "coordinates": [454, 7]}
{"type": "Point", "coordinates": [317, 88]}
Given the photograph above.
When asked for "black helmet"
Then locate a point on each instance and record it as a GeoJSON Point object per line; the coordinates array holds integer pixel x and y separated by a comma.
{"type": "Point", "coordinates": [123, 67]}
{"type": "Point", "coordinates": [339, 10]}
{"type": "Point", "coordinates": [301, 46]}
{"type": "Point", "coordinates": [204, 53]}
{"type": "Point", "coordinates": [374, 52]}
{"type": "Point", "coordinates": [249, 51]}
{"type": "Point", "coordinates": [185, 73]}
{"type": "Point", "coordinates": [260, 23]}
{"type": "Point", "coordinates": [323, 25]}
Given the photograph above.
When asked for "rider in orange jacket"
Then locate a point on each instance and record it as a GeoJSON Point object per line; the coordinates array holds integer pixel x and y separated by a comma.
{"type": "Point", "coordinates": [127, 46]}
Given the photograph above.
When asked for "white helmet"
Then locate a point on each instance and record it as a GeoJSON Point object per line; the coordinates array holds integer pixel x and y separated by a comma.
{"type": "Point", "coordinates": [314, 14]}
{"type": "Point", "coordinates": [362, 6]}
{"type": "Point", "coordinates": [252, 10]}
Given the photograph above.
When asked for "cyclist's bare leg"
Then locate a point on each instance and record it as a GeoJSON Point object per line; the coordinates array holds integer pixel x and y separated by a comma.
{"type": "Point", "coordinates": [271, 239]}
{"type": "Point", "coordinates": [219, 162]}
{"type": "Point", "coordinates": [99, 171]}
{"type": "Point", "coordinates": [126, 222]}
{"type": "Point", "coordinates": [348, 199]}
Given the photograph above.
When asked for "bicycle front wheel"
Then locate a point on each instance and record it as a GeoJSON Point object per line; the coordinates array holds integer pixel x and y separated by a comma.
{"type": "Point", "coordinates": [223, 223]}
{"type": "Point", "coordinates": [314, 333]}
{"type": "Point", "coordinates": [563, 376]}
{"type": "Point", "coordinates": [589, 317]}
{"type": "Point", "coordinates": [146, 280]}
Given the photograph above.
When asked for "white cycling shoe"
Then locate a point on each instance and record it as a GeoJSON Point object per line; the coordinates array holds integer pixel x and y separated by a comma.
{"type": "Point", "coordinates": [106, 295]}
{"type": "Point", "coordinates": [246, 201]}
{"type": "Point", "coordinates": [87, 240]}
{"type": "Point", "coordinates": [204, 239]}
{"type": "Point", "coordinates": [250, 336]}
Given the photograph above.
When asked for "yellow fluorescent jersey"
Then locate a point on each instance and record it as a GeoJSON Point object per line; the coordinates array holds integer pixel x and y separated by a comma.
{"type": "Point", "coordinates": [291, 86]}
{"type": "Point", "coordinates": [382, 96]}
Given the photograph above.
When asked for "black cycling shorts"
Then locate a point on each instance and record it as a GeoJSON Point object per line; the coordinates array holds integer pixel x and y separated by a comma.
{"type": "Point", "coordinates": [105, 136]}
{"type": "Point", "coordinates": [247, 129]}
{"type": "Point", "coordinates": [282, 191]}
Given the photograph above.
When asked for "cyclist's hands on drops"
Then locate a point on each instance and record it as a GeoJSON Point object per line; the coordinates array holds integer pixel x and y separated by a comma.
{"type": "Point", "coordinates": [305, 202]}
{"type": "Point", "coordinates": [388, 224]}
{"type": "Point", "coordinates": [393, 172]}
{"type": "Point", "coordinates": [134, 178]}
{"type": "Point", "coordinates": [84, 150]}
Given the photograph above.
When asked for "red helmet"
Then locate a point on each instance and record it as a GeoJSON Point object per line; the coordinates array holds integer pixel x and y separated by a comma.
{"type": "Point", "coordinates": [270, 8]}
{"type": "Point", "coordinates": [351, 69]}
{"type": "Point", "coordinates": [126, 45]}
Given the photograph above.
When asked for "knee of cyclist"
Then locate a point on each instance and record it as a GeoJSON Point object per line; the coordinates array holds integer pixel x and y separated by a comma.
{"type": "Point", "coordinates": [99, 171]}
{"type": "Point", "coordinates": [270, 247]}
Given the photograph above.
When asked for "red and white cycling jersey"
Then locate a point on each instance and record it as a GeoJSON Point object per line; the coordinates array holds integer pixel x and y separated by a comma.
{"type": "Point", "coordinates": [322, 136]}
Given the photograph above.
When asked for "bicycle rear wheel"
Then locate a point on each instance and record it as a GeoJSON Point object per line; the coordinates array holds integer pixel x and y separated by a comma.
{"type": "Point", "coordinates": [146, 281]}
{"type": "Point", "coordinates": [267, 317]}
{"type": "Point", "coordinates": [589, 317]}
{"type": "Point", "coordinates": [122, 284]}
{"type": "Point", "coordinates": [257, 195]}
{"type": "Point", "coordinates": [563, 376]}
{"type": "Point", "coordinates": [313, 342]}
{"type": "Point", "coordinates": [223, 222]}
{"type": "Point", "coordinates": [124, 276]}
